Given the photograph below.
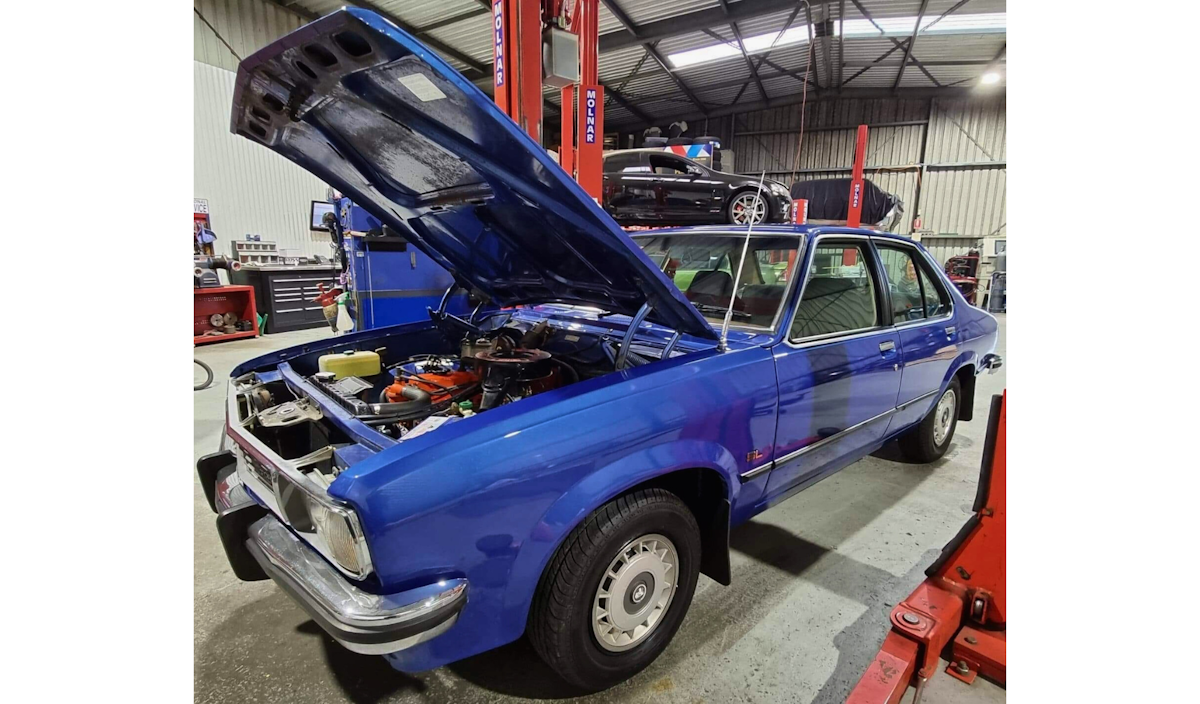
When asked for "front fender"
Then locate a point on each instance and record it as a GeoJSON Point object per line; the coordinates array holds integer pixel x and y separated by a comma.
{"type": "Point", "coordinates": [596, 489]}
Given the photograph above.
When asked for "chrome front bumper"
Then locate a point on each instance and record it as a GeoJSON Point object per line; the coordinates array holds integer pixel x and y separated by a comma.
{"type": "Point", "coordinates": [371, 624]}
{"type": "Point", "coordinates": [259, 545]}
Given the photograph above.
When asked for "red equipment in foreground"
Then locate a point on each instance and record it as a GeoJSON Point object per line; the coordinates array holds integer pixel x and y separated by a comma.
{"type": "Point", "coordinates": [962, 600]}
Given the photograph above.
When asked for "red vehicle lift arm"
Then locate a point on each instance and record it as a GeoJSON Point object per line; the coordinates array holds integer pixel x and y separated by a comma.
{"type": "Point", "coordinates": [962, 600]}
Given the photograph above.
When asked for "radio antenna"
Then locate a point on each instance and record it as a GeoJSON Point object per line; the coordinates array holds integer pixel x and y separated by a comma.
{"type": "Point", "coordinates": [723, 343]}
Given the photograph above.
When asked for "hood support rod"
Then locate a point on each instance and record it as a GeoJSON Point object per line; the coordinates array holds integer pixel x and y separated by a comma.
{"type": "Point", "coordinates": [627, 340]}
{"type": "Point", "coordinates": [723, 342]}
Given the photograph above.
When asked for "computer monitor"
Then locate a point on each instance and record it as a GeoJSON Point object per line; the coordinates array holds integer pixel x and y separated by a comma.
{"type": "Point", "coordinates": [317, 214]}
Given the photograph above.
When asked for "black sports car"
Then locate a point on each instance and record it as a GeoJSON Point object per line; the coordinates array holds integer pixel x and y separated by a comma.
{"type": "Point", "coordinates": [653, 187]}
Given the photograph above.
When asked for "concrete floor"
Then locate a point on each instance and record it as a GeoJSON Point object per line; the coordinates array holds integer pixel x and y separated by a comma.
{"type": "Point", "coordinates": [814, 580]}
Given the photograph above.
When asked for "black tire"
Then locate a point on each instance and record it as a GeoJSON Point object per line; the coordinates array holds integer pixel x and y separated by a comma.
{"type": "Point", "coordinates": [918, 444]}
{"type": "Point", "coordinates": [208, 375]}
{"type": "Point", "coordinates": [751, 191]}
{"type": "Point", "coordinates": [560, 619]}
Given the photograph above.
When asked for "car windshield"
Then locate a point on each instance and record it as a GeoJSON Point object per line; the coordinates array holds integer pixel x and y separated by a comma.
{"type": "Point", "coordinates": [702, 267]}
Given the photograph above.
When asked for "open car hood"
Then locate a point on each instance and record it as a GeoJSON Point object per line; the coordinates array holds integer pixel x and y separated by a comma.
{"type": "Point", "coordinates": [371, 111]}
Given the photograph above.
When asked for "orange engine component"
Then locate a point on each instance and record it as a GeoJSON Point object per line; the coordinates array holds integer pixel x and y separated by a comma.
{"type": "Point", "coordinates": [436, 385]}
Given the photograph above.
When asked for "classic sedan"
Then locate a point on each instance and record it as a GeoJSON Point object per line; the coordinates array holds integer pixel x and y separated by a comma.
{"type": "Point", "coordinates": [654, 187]}
{"type": "Point", "coordinates": [567, 459]}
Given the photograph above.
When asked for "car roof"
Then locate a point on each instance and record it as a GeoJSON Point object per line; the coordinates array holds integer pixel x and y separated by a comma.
{"type": "Point", "coordinates": [644, 150]}
{"type": "Point", "coordinates": [770, 229]}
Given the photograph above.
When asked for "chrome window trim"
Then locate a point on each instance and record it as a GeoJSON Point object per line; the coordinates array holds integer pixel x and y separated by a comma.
{"type": "Point", "coordinates": [817, 340]}
{"type": "Point", "coordinates": [812, 340]}
{"type": "Point", "coordinates": [802, 241]}
{"type": "Point", "coordinates": [916, 253]}
{"type": "Point", "coordinates": [795, 454]}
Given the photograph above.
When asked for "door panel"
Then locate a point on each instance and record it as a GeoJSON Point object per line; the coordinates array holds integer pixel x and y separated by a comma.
{"type": "Point", "coordinates": [928, 338]}
{"type": "Point", "coordinates": [823, 392]}
{"type": "Point", "coordinates": [839, 377]}
{"type": "Point", "coordinates": [685, 196]}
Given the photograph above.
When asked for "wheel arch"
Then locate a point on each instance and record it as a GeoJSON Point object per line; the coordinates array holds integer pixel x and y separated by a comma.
{"type": "Point", "coordinates": [748, 188]}
{"type": "Point", "coordinates": [703, 479]}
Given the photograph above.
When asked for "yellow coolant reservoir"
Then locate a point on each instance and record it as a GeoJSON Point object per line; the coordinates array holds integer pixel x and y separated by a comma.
{"type": "Point", "coordinates": [350, 363]}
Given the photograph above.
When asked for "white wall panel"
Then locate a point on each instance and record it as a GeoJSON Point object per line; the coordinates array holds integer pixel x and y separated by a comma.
{"type": "Point", "coordinates": [249, 188]}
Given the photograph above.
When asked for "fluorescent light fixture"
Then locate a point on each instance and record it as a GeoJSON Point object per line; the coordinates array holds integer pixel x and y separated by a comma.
{"type": "Point", "coordinates": [988, 23]}
{"type": "Point", "coordinates": [989, 78]}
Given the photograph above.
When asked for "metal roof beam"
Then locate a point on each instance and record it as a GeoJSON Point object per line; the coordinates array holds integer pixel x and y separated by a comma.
{"type": "Point", "coordinates": [749, 64]}
{"type": "Point", "coordinates": [635, 32]}
{"type": "Point", "coordinates": [897, 44]}
{"type": "Point", "coordinates": [912, 41]}
{"type": "Point", "coordinates": [693, 22]}
{"type": "Point", "coordinates": [863, 93]}
{"type": "Point", "coordinates": [435, 44]}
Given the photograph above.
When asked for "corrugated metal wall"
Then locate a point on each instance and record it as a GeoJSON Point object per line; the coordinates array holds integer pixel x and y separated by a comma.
{"type": "Point", "coordinates": [249, 188]}
{"type": "Point", "coordinates": [248, 25]}
{"type": "Point", "coordinates": [962, 184]}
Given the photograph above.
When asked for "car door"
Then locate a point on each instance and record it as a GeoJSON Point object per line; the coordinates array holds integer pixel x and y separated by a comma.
{"type": "Point", "coordinates": [923, 315]}
{"type": "Point", "coordinates": [838, 368]}
{"type": "Point", "coordinates": [627, 190]}
{"type": "Point", "coordinates": [685, 192]}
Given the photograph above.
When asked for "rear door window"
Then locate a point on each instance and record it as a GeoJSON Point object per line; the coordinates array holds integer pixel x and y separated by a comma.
{"type": "Point", "coordinates": [839, 295]}
{"type": "Point", "coordinates": [915, 295]}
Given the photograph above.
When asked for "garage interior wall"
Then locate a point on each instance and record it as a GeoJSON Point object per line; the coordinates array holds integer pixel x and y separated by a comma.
{"type": "Point", "coordinates": [952, 150]}
{"type": "Point", "coordinates": [250, 189]}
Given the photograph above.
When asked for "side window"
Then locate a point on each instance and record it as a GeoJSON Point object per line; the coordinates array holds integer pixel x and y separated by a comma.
{"type": "Point", "coordinates": [839, 295]}
{"type": "Point", "coordinates": [914, 293]}
{"type": "Point", "coordinates": [903, 283]}
{"type": "Point", "coordinates": [619, 162]}
{"type": "Point", "coordinates": [936, 301]}
{"type": "Point", "coordinates": [667, 165]}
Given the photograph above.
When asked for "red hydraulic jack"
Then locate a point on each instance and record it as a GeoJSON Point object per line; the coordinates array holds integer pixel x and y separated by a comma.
{"type": "Point", "coordinates": [961, 603]}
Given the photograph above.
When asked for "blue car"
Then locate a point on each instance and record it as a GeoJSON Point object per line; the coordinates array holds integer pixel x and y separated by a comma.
{"type": "Point", "coordinates": [565, 460]}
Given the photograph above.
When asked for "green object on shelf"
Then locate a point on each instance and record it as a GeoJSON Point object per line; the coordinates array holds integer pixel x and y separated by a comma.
{"type": "Point", "coordinates": [262, 324]}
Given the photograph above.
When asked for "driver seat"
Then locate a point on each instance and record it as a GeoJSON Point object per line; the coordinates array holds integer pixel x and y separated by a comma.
{"type": "Point", "coordinates": [711, 288]}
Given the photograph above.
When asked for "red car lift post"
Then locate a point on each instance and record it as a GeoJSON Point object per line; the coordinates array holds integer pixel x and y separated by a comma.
{"type": "Point", "coordinates": [517, 79]}
{"type": "Point", "coordinates": [517, 69]}
{"type": "Point", "coordinates": [962, 600]}
{"type": "Point", "coordinates": [590, 153]}
{"type": "Point", "coordinates": [854, 212]}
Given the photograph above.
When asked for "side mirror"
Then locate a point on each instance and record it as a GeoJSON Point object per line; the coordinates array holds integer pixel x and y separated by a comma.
{"type": "Point", "coordinates": [694, 171]}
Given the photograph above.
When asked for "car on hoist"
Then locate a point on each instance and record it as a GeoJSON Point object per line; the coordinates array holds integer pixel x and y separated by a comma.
{"type": "Point", "coordinates": [567, 459]}
{"type": "Point", "coordinates": [655, 187]}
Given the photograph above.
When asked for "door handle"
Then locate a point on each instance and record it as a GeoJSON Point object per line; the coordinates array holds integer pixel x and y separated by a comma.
{"type": "Point", "coordinates": [887, 346]}
{"type": "Point", "coordinates": [950, 329]}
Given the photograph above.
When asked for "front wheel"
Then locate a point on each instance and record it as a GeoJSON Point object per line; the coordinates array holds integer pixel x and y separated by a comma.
{"type": "Point", "coordinates": [617, 590]}
{"type": "Point", "coordinates": [747, 207]}
{"type": "Point", "coordinates": [930, 440]}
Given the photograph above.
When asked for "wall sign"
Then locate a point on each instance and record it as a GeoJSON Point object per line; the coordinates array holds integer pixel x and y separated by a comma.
{"type": "Point", "coordinates": [589, 135]}
{"type": "Point", "coordinates": [498, 36]}
{"type": "Point", "coordinates": [200, 205]}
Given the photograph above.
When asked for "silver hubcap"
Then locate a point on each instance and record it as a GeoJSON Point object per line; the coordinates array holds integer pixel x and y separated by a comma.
{"type": "Point", "coordinates": [943, 417]}
{"type": "Point", "coordinates": [744, 206]}
{"type": "Point", "coordinates": [635, 592]}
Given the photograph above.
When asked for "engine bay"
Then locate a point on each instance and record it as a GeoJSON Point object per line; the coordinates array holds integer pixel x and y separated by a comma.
{"type": "Point", "coordinates": [408, 384]}
{"type": "Point", "coordinates": [422, 391]}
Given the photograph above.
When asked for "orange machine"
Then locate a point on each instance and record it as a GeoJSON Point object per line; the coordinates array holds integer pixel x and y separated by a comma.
{"type": "Point", "coordinates": [961, 603]}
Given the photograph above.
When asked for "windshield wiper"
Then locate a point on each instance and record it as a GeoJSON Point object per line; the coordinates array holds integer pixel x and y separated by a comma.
{"type": "Point", "coordinates": [718, 310]}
